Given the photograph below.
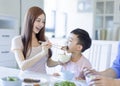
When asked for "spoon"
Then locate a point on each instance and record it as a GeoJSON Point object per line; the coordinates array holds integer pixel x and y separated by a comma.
{"type": "Point", "coordinates": [58, 46]}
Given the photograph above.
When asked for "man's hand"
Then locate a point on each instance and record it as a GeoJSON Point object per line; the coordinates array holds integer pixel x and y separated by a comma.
{"type": "Point", "coordinates": [103, 81]}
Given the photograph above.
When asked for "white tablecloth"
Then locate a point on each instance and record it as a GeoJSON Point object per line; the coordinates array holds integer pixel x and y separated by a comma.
{"type": "Point", "coordinates": [45, 79]}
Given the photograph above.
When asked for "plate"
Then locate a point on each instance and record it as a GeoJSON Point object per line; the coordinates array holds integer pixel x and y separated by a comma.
{"type": "Point", "coordinates": [35, 76]}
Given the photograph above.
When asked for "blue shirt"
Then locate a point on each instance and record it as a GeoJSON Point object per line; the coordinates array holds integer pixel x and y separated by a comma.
{"type": "Point", "coordinates": [116, 63]}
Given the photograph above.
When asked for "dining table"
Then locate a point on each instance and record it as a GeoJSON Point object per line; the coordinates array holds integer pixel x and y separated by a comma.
{"type": "Point", "coordinates": [45, 79]}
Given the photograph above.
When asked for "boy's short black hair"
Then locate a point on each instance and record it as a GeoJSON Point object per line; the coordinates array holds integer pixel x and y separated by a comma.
{"type": "Point", "coordinates": [83, 38]}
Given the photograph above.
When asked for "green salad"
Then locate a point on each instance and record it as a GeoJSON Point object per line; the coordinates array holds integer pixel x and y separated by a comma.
{"type": "Point", "coordinates": [9, 78]}
{"type": "Point", "coordinates": [64, 83]}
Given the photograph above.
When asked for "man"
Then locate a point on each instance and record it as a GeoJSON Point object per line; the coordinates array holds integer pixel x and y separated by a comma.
{"type": "Point", "coordinates": [109, 77]}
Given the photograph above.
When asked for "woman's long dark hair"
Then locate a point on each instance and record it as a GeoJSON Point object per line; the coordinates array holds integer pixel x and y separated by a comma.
{"type": "Point", "coordinates": [30, 18]}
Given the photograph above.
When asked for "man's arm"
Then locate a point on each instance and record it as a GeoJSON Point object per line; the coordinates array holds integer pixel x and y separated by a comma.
{"type": "Point", "coordinates": [109, 73]}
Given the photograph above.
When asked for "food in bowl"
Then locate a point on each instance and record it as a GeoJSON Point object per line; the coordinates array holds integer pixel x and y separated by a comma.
{"type": "Point", "coordinates": [63, 58]}
{"type": "Point", "coordinates": [64, 83]}
{"type": "Point", "coordinates": [11, 78]}
{"type": "Point", "coordinates": [30, 80]}
{"type": "Point", "coordinates": [35, 81]}
{"type": "Point", "coordinates": [11, 81]}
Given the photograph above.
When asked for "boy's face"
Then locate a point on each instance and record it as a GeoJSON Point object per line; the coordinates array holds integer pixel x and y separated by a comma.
{"type": "Point", "coordinates": [72, 44]}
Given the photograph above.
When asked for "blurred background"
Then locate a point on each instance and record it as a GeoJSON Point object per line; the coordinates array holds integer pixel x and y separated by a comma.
{"type": "Point", "coordinates": [101, 18]}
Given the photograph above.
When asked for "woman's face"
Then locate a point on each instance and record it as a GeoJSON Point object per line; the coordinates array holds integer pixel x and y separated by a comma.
{"type": "Point", "coordinates": [39, 23]}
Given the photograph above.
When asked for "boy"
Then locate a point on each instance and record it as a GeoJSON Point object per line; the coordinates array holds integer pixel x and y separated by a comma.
{"type": "Point", "coordinates": [78, 41]}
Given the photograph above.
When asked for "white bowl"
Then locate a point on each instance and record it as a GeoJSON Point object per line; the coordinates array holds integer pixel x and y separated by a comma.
{"type": "Point", "coordinates": [12, 81]}
{"type": "Point", "coordinates": [63, 58]}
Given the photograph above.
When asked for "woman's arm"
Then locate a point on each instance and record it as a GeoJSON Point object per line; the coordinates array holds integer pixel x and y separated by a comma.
{"type": "Point", "coordinates": [24, 64]}
{"type": "Point", "coordinates": [52, 63]}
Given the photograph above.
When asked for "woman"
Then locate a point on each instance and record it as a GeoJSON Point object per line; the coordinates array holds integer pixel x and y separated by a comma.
{"type": "Point", "coordinates": [30, 54]}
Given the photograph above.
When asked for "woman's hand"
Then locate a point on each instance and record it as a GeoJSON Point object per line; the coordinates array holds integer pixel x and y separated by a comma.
{"type": "Point", "coordinates": [61, 63]}
{"type": "Point", "coordinates": [45, 46]}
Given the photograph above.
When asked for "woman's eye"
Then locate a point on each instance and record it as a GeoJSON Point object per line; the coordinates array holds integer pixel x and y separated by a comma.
{"type": "Point", "coordinates": [38, 20]}
{"type": "Point", "coordinates": [43, 22]}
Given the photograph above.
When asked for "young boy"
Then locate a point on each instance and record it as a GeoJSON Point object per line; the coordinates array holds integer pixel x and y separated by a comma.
{"type": "Point", "coordinates": [78, 41]}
